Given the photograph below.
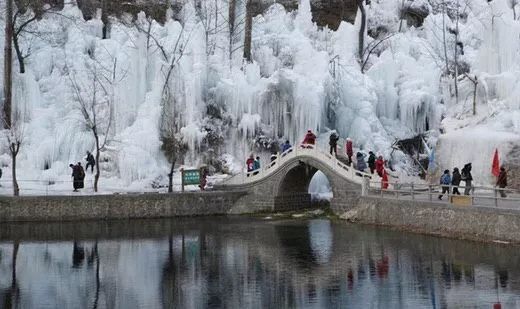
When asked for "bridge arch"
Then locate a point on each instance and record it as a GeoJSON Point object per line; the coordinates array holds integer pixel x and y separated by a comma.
{"type": "Point", "coordinates": [292, 186]}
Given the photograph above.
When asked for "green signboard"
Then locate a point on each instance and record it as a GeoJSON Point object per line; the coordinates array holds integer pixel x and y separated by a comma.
{"type": "Point", "coordinates": [190, 177]}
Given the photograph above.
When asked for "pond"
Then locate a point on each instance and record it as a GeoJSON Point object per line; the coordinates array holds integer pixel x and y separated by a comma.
{"type": "Point", "coordinates": [238, 262]}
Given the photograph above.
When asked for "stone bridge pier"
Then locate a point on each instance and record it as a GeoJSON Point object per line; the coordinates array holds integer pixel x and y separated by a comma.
{"type": "Point", "coordinates": [288, 188]}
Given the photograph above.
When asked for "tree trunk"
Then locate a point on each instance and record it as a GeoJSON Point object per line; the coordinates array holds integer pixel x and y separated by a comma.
{"type": "Point", "coordinates": [98, 173]}
{"type": "Point", "coordinates": [455, 56]}
{"type": "Point", "coordinates": [8, 64]}
{"type": "Point", "coordinates": [231, 21]}
{"type": "Point", "coordinates": [21, 59]}
{"type": "Point", "coordinates": [104, 19]}
{"type": "Point", "coordinates": [475, 84]}
{"type": "Point", "coordinates": [170, 177]}
{"type": "Point", "coordinates": [444, 37]}
{"type": "Point", "coordinates": [362, 28]}
{"type": "Point", "coordinates": [14, 153]}
{"type": "Point", "coordinates": [248, 30]}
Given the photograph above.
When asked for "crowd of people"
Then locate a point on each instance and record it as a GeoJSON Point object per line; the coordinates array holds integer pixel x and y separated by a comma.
{"type": "Point", "coordinates": [375, 164]}
{"type": "Point", "coordinates": [456, 177]}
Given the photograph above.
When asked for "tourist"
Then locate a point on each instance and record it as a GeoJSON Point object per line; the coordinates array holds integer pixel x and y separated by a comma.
{"type": "Point", "coordinates": [250, 164]}
{"type": "Point", "coordinates": [455, 181]}
{"type": "Point", "coordinates": [349, 150]}
{"type": "Point", "coordinates": [466, 176]}
{"type": "Point", "coordinates": [333, 142]}
{"type": "Point", "coordinates": [203, 179]}
{"type": "Point", "coordinates": [445, 183]}
{"type": "Point", "coordinates": [380, 166]}
{"type": "Point", "coordinates": [310, 139]}
{"type": "Point", "coordinates": [502, 182]}
{"type": "Point", "coordinates": [384, 180]}
{"type": "Point", "coordinates": [286, 146]}
{"type": "Point", "coordinates": [90, 162]}
{"type": "Point", "coordinates": [256, 166]}
{"type": "Point", "coordinates": [82, 176]}
{"type": "Point", "coordinates": [371, 162]}
{"type": "Point", "coordinates": [76, 177]}
{"type": "Point", "coordinates": [361, 164]}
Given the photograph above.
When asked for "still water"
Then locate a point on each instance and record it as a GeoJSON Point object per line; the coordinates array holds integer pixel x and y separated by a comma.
{"type": "Point", "coordinates": [248, 263]}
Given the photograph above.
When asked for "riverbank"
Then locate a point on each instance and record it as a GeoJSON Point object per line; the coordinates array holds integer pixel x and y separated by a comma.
{"type": "Point", "coordinates": [432, 218]}
{"type": "Point", "coordinates": [116, 206]}
{"type": "Point", "coordinates": [471, 223]}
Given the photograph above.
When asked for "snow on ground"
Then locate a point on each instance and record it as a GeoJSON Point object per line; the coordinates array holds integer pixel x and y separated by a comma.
{"type": "Point", "coordinates": [302, 77]}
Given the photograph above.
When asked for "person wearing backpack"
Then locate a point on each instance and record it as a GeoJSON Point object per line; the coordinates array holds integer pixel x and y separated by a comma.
{"type": "Point", "coordinates": [467, 178]}
{"type": "Point", "coordinates": [445, 183]}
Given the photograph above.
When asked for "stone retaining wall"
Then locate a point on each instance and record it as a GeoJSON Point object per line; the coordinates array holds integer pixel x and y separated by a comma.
{"type": "Point", "coordinates": [474, 223]}
{"type": "Point", "coordinates": [69, 208]}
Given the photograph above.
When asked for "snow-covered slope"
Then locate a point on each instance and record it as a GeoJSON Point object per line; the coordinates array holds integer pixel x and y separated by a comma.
{"type": "Point", "coordinates": [302, 77]}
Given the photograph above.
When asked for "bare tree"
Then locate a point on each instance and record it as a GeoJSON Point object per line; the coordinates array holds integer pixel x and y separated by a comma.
{"type": "Point", "coordinates": [23, 16]}
{"type": "Point", "coordinates": [474, 80]}
{"type": "Point", "coordinates": [95, 101]}
{"type": "Point", "coordinates": [173, 145]}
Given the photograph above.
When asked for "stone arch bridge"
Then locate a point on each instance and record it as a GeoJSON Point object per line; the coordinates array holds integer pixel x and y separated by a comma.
{"type": "Point", "coordinates": [284, 183]}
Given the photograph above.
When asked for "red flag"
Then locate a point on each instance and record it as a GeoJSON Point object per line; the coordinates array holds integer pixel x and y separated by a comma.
{"type": "Point", "coordinates": [495, 169]}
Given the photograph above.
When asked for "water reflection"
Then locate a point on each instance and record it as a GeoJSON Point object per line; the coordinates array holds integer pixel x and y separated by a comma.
{"type": "Point", "coordinates": [246, 263]}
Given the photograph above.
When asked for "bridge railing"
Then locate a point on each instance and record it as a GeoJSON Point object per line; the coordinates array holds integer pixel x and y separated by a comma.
{"type": "Point", "coordinates": [313, 151]}
{"type": "Point", "coordinates": [478, 195]}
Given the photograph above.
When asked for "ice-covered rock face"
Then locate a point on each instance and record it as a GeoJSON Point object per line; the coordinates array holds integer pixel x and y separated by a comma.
{"type": "Point", "coordinates": [302, 77]}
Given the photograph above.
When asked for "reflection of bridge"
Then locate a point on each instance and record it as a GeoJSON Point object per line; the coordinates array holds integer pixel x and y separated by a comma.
{"type": "Point", "coordinates": [284, 183]}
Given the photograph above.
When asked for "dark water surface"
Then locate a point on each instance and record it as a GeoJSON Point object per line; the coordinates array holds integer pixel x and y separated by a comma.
{"type": "Point", "coordinates": [248, 263]}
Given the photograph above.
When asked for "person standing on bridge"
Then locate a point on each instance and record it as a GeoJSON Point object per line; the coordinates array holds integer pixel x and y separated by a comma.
{"type": "Point", "coordinates": [380, 166]}
{"type": "Point", "coordinates": [310, 139]}
{"type": "Point", "coordinates": [467, 177]}
{"type": "Point", "coordinates": [455, 181]}
{"type": "Point", "coordinates": [371, 162]}
{"type": "Point", "coordinates": [333, 142]}
{"type": "Point", "coordinates": [445, 183]}
{"type": "Point", "coordinates": [502, 182]}
{"type": "Point", "coordinates": [361, 164]}
{"type": "Point", "coordinates": [350, 150]}
{"type": "Point", "coordinates": [257, 166]}
{"type": "Point", "coordinates": [286, 146]}
{"type": "Point", "coordinates": [250, 164]}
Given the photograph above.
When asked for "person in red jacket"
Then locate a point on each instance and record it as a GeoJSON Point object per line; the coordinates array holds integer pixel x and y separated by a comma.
{"type": "Point", "coordinates": [250, 163]}
{"type": "Point", "coordinates": [384, 180]}
{"type": "Point", "coordinates": [350, 150]}
{"type": "Point", "coordinates": [310, 139]}
{"type": "Point", "coordinates": [380, 166]}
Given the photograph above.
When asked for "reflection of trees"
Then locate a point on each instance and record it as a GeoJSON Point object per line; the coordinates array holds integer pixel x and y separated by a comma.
{"type": "Point", "coordinates": [11, 296]}
{"type": "Point", "coordinates": [95, 254]}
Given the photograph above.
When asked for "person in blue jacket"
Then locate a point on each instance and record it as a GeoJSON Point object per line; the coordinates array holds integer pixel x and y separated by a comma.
{"type": "Point", "coordinates": [445, 183]}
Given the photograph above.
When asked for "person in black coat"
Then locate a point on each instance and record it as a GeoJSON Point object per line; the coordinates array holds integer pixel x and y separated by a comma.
{"type": "Point", "coordinates": [90, 162]}
{"type": "Point", "coordinates": [467, 177]}
{"type": "Point", "coordinates": [455, 180]}
{"type": "Point", "coordinates": [371, 162]}
{"type": "Point", "coordinates": [333, 142]}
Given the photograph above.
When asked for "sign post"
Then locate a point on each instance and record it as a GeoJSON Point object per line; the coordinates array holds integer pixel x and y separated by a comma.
{"type": "Point", "coordinates": [190, 177]}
